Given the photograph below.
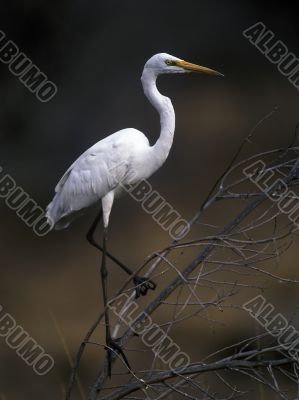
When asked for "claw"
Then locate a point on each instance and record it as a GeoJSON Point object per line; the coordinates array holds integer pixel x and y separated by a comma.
{"type": "Point", "coordinates": [142, 285]}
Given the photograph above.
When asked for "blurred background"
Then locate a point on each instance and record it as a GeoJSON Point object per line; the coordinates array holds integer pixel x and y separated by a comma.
{"type": "Point", "coordinates": [94, 52]}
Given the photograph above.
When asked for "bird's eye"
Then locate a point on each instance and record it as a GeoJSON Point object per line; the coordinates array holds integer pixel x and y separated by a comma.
{"type": "Point", "coordinates": [169, 62]}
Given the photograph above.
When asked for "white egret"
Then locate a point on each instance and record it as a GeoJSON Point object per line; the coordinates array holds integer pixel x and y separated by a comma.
{"type": "Point", "coordinates": [123, 158]}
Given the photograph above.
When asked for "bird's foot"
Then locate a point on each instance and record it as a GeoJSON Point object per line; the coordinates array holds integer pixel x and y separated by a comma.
{"type": "Point", "coordinates": [142, 285]}
{"type": "Point", "coordinates": [113, 348]}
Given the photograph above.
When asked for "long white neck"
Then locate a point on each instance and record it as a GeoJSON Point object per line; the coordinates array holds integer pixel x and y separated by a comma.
{"type": "Point", "coordinates": [163, 105]}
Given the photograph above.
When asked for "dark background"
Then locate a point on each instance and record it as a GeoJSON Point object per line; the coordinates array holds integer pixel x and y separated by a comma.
{"type": "Point", "coordinates": [94, 52]}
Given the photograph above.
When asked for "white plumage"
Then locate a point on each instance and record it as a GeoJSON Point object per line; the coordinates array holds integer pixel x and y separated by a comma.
{"type": "Point", "coordinates": [125, 157]}
{"type": "Point", "coordinates": [97, 172]}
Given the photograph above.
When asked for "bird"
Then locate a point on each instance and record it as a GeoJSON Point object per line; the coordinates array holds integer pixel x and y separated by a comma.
{"type": "Point", "coordinates": [99, 175]}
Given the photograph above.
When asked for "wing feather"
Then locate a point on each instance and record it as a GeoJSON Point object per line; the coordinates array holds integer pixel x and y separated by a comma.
{"type": "Point", "coordinates": [96, 172]}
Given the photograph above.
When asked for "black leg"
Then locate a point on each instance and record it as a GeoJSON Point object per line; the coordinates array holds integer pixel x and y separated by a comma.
{"type": "Point", "coordinates": [92, 241]}
{"type": "Point", "coordinates": [104, 274]}
{"type": "Point", "coordinates": [112, 345]}
{"type": "Point", "coordinates": [142, 285]}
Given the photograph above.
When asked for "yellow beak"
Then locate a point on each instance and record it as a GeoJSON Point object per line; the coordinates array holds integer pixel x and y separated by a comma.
{"type": "Point", "coordinates": [197, 68]}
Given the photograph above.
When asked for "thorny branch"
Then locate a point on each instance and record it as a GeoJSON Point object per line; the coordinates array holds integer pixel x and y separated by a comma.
{"type": "Point", "coordinates": [257, 233]}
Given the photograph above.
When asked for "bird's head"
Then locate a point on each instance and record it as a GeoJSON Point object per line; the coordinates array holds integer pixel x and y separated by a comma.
{"type": "Point", "coordinates": [163, 63]}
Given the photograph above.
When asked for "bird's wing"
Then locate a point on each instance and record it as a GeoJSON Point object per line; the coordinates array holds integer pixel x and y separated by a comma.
{"type": "Point", "coordinates": [86, 181]}
{"type": "Point", "coordinates": [83, 163]}
{"type": "Point", "coordinates": [65, 176]}
{"type": "Point", "coordinates": [102, 168]}
{"type": "Point", "coordinates": [110, 150]}
{"type": "Point", "coordinates": [90, 177]}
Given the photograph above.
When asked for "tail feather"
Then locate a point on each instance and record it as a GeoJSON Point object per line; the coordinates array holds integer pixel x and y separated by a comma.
{"type": "Point", "coordinates": [52, 213]}
{"type": "Point", "coordinates": [57, 219]}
